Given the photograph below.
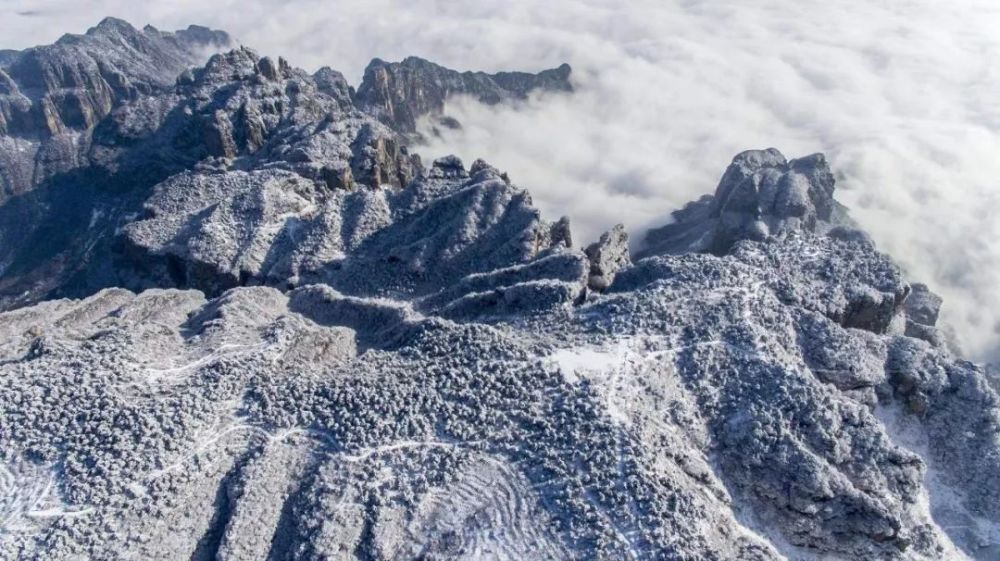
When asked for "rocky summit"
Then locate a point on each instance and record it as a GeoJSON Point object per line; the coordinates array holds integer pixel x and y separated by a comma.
{"type": "Point", "coordinates": [243, 320]}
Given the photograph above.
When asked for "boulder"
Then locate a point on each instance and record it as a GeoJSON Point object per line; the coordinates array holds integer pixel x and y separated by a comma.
{"type": "Point", "coordinates": [607, 256]}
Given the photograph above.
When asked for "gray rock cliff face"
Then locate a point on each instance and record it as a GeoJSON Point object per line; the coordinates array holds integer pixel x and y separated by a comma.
{"type": "Point", "coordinates": [251, 324]}
{"type": "Point", "coordinates": [607, 256]}
{"type": "Point", "coordinates": [51, 96]}
{"type": "Point", "coordinates": [400, 93]}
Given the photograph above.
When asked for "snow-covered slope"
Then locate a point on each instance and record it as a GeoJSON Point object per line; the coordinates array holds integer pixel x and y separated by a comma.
{"type": "Point", "coordinates": [289, 338]}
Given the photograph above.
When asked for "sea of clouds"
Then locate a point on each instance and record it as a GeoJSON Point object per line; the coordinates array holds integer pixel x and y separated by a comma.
{"type": "Point", "coordinates": [902, 95]}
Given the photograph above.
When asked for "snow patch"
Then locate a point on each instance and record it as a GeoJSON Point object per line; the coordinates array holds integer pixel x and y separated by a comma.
{"type": "Point", "coordinates": [29, 496]}
{"type": "Point", "coordinates": [608, 369]}
{"type": "Point", "coordinates": [941, 504]}
{"type": "Point", "coordinates": [576, 361]}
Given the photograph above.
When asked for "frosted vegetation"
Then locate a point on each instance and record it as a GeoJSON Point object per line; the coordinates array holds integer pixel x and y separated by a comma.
{"type": "Point", "coordinates": [245, 321]}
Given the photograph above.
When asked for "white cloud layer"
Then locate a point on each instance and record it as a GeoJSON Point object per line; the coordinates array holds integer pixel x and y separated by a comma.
{"type": "Point", "coordinates": [902, 95]}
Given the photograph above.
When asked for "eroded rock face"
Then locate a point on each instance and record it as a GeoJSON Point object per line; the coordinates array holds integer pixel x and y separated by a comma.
{"type": "Point", "coordinates": [922, 309]}
{"type": "Point", "coordinates": [54, 94]}
{"type": "Point", "coordinates": [761, 195]}
{"type": "Point", "coordinates": [74, 83]}
{"type": "Point", "coordinates": [380, 160]}
{"type": "Point", "coordinates": [607, 256]}
{"type": "Point", "coordinates": [400, 93]}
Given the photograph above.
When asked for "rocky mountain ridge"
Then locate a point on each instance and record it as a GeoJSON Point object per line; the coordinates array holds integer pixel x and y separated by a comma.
{"type": "Point", "coordinates": [400, 93]}
{"type": "Point", "coordinates": [79, 189]}
{"type": "Point", "coordinates": [290, 338]}
{"type": "Point", "coordinates": [51, 95]}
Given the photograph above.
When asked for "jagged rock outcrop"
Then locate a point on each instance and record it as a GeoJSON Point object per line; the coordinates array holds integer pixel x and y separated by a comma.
{"type": "Point", "coordinates": [292, 340]}
{"type": "Point", "coordinates": [761, 195]}
{"type": "Point", "coordinates": [335, 85]}
{"type": "Point", "coordinates": [922, 310]}
{"type": "Point", "coordinates": [607, 256]}
{"type": "Point", "coordinates": [50, 96]}
{"type": "Point", "coordinates": [218, 231]}
{"type": "Point", "coordinates": [74, 83]}
{"type": "Point", "coordinates": [400, 93]}
{"type": "Point", "coordinates": [381, 160]}
{"type": "Point", "coordinates": [560, 233]}
{"type": "Point", "coordinates": [239, 112]}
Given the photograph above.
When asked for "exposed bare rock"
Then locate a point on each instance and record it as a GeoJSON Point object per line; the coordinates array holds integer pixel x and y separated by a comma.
{"type": "Point", "coordinates": [400, 93]}
{"type": "Point", "coordinates": [381, 161]}
{"type": "Point", "coordinates": [69, 87]}
{"type": "Point", "coordinates": [448, 167]}
{"type": "Point", "coordinates": [268, 69]}
{"type": "Point", "coordinates": [560, 234]}
{"type": "Point", "coordinates": [607, 256]}
{"type": "Point", "coordinates": [923, 306]}
{"type": "Point", "coordinates": [922, 309]}
{"type": "Point", "coordinates": [761, 195]}
{"type": "Point", "coordinates": [333, 84]}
